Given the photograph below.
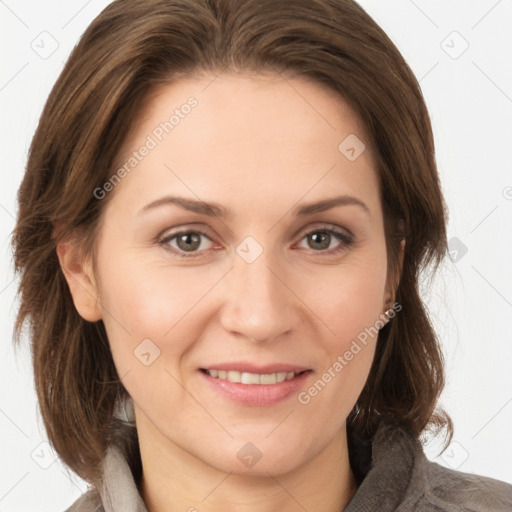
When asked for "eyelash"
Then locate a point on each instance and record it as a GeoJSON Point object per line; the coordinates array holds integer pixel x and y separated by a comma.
{"type": "Point", "coordinates": [346, 241]}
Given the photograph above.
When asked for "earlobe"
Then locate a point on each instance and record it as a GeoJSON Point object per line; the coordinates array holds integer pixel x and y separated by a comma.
{"type": "Point", "coordinates": [80, 278]}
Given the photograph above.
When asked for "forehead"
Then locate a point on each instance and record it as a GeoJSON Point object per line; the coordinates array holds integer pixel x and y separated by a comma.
{"type": "Point", "coordinates": [240, 105]}
{"type": "Point", "coordinates": [240, 137]}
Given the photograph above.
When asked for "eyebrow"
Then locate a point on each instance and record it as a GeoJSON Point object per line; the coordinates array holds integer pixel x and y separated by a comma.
{"type": "Point", "coordinates": [327, 204]}
{"type": "Point", "coordinates": [193, 205]}
{"type": "Point", "coordinates": [216, 210]}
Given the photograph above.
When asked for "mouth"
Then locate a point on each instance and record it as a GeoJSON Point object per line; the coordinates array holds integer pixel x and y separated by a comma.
{"type": "Point", "coordinates": [252, 378]}
{"type": "Point", "coordinates": [249, 385]}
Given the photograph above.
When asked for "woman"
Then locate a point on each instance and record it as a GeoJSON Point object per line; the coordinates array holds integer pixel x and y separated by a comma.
{"type": "Point", "coordinates": [224, 217]}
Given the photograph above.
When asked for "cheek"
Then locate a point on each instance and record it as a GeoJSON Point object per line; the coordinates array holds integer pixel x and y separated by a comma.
{"type": "Point", "coordinates": [146, 293]}
{"type": "Point", "coordinates": [350, 304]}
{"type": "Point", "coordinates": [148, 302]}
{"type": "Point", "coordinates": [350, 307]}
{"type": "Point", "coordinates": [349, 300]}
{"type": "Point", "coordinates": [149, 327]}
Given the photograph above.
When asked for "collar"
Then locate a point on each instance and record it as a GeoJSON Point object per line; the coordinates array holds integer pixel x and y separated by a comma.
{"type": "Point", "coordinates": [391, 469]}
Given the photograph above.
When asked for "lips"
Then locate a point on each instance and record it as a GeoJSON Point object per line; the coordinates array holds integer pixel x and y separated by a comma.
{"type": "Point", "coordinates": [255, 385]}
{"type": "Point", "coordinates": [259, 369]}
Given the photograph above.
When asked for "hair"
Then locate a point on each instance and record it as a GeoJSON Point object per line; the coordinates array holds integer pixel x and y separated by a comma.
{"type": "Point", "coordinates": [132, 47]}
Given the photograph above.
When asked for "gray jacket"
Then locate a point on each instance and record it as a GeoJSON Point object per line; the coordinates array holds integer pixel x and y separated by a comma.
{"type": "Point", "coordinates": [394, 472]}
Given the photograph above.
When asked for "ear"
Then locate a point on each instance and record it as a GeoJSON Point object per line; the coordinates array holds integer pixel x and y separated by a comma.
{"type": "Point", "coordinates": [79, 275]}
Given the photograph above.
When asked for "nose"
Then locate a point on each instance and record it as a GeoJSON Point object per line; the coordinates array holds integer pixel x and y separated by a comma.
{"type": "Point", "coordinates": [258, 302]}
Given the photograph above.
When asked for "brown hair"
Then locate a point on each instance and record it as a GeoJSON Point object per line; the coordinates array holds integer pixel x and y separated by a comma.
{"type": "Point", "coordinates": [128, 49]}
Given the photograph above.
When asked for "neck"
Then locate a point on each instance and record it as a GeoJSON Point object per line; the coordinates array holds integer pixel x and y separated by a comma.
{"type": "Point", "coordinates": [173, 479]}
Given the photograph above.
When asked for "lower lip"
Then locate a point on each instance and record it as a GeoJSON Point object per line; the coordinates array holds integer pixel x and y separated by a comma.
{"type": "Point", "coordinates": [257, 395]}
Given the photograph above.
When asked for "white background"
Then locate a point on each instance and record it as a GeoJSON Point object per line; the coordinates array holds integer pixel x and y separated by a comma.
{"type": "Point", "coordinates": [469, 96]}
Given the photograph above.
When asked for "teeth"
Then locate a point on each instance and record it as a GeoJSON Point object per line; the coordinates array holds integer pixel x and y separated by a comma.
{"type": "Point", "coordinates": [233, 376]}
{"type": "Point", "coordinates": [270, 378]}
{"type": "Point", "coordinates": [251, 378]}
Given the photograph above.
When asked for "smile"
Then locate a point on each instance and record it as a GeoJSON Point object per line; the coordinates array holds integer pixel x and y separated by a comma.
{"type": "Point", "coordinates": [252, 386]}
{"type": "Point", "coordinates": [251, 378]}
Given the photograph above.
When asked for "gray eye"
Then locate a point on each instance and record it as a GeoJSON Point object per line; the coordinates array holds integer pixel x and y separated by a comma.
{"type": "Point", "coordinates": [319, 240]}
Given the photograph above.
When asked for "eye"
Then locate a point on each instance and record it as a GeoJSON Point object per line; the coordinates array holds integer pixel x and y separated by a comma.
{"type": "Point", "coordinates": [190, 243]}
{"type": "Point", "coordinates": [184, 242]}
{"type": "Point", "coordinates": [327, 240]}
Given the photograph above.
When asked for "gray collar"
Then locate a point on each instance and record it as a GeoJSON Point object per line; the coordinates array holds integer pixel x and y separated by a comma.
{"type": "Point", "coordinates": [395, 476]}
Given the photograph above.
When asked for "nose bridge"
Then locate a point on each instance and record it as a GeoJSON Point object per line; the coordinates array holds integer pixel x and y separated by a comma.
{"type": "Point", "coordinates": [257, 304]}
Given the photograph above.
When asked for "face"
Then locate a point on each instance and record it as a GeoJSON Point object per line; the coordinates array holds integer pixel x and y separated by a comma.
{"type": "Point", "coordinates": [257, 285]}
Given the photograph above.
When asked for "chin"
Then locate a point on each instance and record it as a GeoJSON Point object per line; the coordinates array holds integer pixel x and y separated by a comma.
{"type": "Point", "coordinates": [268, 465]}
{"type": "Point", "coordinates": [258, 458]}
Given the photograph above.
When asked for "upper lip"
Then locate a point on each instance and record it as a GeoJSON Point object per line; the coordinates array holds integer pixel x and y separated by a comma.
{"type": "Point", "coordinates": [245, 367]}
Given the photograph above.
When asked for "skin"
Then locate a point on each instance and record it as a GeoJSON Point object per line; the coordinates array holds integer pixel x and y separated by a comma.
{"type": "Point", "coordinates": [261, 146]}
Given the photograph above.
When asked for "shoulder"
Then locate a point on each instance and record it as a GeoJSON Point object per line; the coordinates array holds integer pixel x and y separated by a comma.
{"type": "Point", "coordinates": [447, 489]}
{"type": "Point", "coordinates": [88, 502]}
{"type": "Point", "coordinates": [402, 479]}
